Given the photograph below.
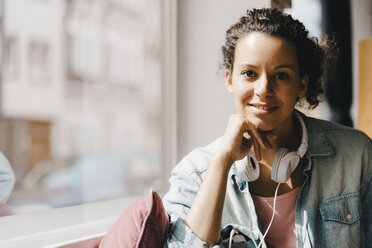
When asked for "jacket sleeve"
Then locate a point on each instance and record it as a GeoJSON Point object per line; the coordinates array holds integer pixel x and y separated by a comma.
{"type": "Point", "coordinates": [7, 179]}
{"type": "Point", "coordinates": [367, 196]}
{"type": "Point", "coordinates": [185, 181]}
{"type": "Point", "coordinates": [367, 207]}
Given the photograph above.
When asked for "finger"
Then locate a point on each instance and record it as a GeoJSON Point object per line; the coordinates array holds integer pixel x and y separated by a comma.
{"type": "Point", "coordinates": [246, 145]}
{"type": "Point", "coordinates": [257, 136]}
{"type": "Point", "coordinates": [256, 145]}
{"type": "Point", "coordinates": [248, 127]}
{"type": "Point", "coordinates": [247, 136]}
{"type": "Point", "coordinates": [265, 140]}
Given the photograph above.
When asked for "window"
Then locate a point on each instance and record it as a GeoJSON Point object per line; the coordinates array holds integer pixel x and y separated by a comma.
{"type": "Point", "coordinates": [38, 62]}
{"type": "Point", "coordinates": [98, 135]}
{"type": "Point", "coordinates": [11, 58]}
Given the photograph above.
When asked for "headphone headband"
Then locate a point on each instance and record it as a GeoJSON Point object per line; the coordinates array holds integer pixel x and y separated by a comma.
{"type": "Point", "coordinates": [303, 146]}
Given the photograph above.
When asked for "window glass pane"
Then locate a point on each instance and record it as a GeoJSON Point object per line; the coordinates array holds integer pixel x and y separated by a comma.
{"type": "Point", "coordinates": [81, 98]}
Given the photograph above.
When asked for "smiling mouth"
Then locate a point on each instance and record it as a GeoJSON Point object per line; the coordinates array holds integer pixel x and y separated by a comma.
{"type": "Point", "coordinates": [263, 109]}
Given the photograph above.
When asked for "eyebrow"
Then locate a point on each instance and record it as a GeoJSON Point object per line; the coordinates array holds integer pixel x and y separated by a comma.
{"type": "Point", "coordinates": [285, 66]}
{"type": "Point", "coordinates": [243, 65]}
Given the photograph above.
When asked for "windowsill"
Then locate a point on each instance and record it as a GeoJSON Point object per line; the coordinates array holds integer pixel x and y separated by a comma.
{"type": "Point", "coordinates": [57, 227]}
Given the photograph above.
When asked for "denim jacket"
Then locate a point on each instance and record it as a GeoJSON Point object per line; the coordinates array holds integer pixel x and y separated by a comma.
{"type": "Point", "coordinates": [333, 208]}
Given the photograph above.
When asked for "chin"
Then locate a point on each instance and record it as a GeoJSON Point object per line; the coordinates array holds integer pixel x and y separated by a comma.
{"type": "Point", "coordinates": [263, 125]}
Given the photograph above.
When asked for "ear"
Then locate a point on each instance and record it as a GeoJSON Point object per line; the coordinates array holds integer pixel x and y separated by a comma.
{"type": "Point", "coordinates": [303, 86]}
{"type": "Point", "coordinates": [228, 81]}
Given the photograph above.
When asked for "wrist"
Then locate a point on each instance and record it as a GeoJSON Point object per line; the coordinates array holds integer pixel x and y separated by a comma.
{"type": "Point", "coordinates": [224, 160]}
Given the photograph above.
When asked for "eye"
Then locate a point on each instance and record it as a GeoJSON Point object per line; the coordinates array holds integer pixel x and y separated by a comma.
{"type": "Point", "coordinates": [281, 76]}
{"type": "Point", "coordinates": [250, 73]}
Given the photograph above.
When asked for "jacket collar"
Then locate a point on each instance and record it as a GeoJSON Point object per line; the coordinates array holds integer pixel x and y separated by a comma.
{"type": "Point", "coordinates": [318, 143]}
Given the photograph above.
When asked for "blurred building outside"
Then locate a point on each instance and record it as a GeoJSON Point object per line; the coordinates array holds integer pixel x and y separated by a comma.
{"type": "Point", "coordinates": [80, 99]}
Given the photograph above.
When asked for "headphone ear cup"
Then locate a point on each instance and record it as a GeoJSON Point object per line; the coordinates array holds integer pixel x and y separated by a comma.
{"type": "Point", "coordinates": [248, 168]}
{"type": "Point", "coordinates": [279, 168]}
{"type": "Point", "coordinates": [285, 163]}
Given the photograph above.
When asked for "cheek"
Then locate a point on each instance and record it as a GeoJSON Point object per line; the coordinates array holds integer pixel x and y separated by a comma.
{"type": "Point", "coordinates": [242, 89]}
{"type": "Point", "coordinates": [244, 95]}
{"type": "Point", "coordinates": [290, 97]}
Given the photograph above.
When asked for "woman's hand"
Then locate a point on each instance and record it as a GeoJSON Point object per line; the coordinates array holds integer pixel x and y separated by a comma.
{"type": "Point", "coordinates": [239, 137]}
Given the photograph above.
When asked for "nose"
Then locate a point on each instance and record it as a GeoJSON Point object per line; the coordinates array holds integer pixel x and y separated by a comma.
{"type": "Point", "coordinates": [263, 86]}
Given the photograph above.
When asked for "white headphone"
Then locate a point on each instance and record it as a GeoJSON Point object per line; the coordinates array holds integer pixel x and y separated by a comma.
{"type": "Point", "coordinates": [285, 161]}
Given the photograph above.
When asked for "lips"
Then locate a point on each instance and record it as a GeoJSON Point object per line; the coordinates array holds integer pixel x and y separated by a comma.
{"type": "Point", "coordinates": [263, 108]}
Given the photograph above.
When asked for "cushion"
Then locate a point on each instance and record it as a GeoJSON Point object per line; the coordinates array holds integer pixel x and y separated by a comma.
{"type": "Point", "coordinates": [144, 224]}
{"type": "Point", "coordinates": [6, 210]}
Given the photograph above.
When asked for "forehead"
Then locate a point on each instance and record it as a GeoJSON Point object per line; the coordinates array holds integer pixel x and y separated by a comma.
{"type": "Point", "coordinates": [260, 48]}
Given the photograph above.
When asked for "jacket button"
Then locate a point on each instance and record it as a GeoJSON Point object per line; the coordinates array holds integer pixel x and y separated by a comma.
{"type": "Point", "coordinates": [349, 216]}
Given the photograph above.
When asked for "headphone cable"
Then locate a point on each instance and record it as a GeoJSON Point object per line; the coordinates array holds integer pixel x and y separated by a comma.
{"type": "Point", "coordinates": [272, 216]}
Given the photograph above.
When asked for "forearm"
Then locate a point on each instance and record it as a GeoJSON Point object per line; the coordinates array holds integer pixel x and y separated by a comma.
{"type": "Point", "coordinates": [204, 217]}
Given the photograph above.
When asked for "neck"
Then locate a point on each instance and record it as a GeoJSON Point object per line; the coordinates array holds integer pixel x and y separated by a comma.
{"type": "Point", "coordinates": [288, 135]}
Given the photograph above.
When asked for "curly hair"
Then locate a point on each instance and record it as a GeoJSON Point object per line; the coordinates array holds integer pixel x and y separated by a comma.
{"type": "Point", "coordinates": [311, 55]}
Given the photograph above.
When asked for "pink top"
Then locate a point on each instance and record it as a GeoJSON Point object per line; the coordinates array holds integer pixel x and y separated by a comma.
{"type": "Point", "coordinates": [282, 231]}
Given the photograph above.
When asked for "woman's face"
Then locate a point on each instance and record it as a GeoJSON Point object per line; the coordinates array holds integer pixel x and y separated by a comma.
{"type": "Point", "coordinates": [265, 80]}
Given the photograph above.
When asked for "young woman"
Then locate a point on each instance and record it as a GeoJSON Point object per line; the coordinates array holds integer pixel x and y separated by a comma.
{"type": "Point", "coordinates": [276, 178]}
